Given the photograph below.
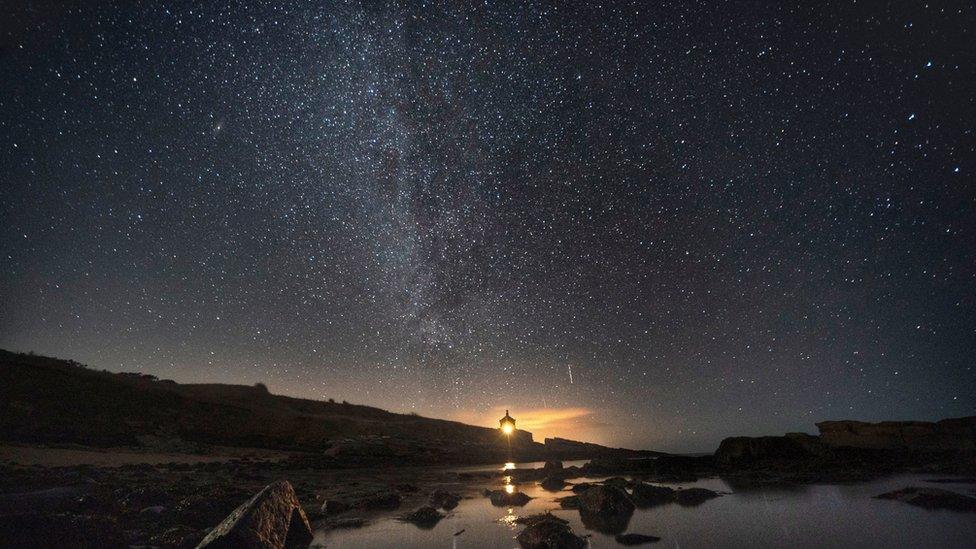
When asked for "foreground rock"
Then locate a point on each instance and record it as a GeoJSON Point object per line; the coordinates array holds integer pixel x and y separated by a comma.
{"type": "Point", "coordinates": [649, 495]}
{"type": "Point", "coordinates": [636, 539]}
{"type": "Point", "coordinates": [273, 519]}
{"type": "Point", "coordinates": [553, 484]}
{"type": "Point", "coordinates": [932, 498]}
{"type": "Point", "coordinates": [690, 497]}
{"type": "Point", "coordinates": [605, 500]}
{"type": "Point", "coordinates": [501, 498]}
{"type": "Point", "coordinates": [444, 499]}
{"type": "Point", "coordinates": [425, 517]}
{"type": "Point", "coordinates": [606, 509]}
{"type": "Point", "coordinates": [548, 532]}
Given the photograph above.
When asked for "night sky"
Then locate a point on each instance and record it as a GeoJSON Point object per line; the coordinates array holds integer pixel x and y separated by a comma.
{"type": "Point", "coordinates": [636, 225]}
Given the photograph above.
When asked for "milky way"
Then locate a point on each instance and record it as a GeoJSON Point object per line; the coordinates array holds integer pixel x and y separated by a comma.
{"type": "Point", "coordinates": [679, 222]}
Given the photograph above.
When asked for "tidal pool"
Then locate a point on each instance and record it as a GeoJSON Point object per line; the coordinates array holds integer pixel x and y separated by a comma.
{"type": "Point", "coordinates": [819, 515]}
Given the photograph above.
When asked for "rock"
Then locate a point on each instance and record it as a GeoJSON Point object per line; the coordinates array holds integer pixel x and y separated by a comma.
{"type": "Point", "coordinates": [553, 484]}
{"type": "Point", "coordinates": [618, 482]}
{"type": "Point", "coordinates": [532, 519]}
{"type": "Point", "coordinates": [51, 500]}
{"type": "Point", "coordinates": [333, 507]}
{"type": "Point", "coordinates": [271, 519]}
{"type": "Point", "coordinates": [932, 498]}
{"type": "Point", "coordinates": [569, 502]}
{"type": "Point", "coordinates": [349, 522]}
{"type": "Point", "coordinates": [649, 495]}
{"type": "Point", "coordinates": [179, 537]}
{"type": "Point", "coordinates": [407, 488]}
{"type": "Point", "coordinates": [948, 434]}
{"type": "Point", "coordinates": [549, 533]}
{"type": "Point", "coordinates": [61, 530]}
{"type": "Point", "coordinates": [581, 487]}
{"type": "Point", "coordinates": [204, 510]}
{"type": "Point", "coordinates": [154, 510]}
{"type": "Point", "coordinates": [425, 517]}
{"type": "Point", "coordinates": [387, 502]}
{"type": "Point", "coordinates": [742, 451]}
{"type": "Point", "coordinates": [635, 539]}
{"type": "Point", "coordinates": [444, 499]}
{"type": "Point", "coordinates": [605, 500]}
{"type": "Point", "coordinates": [551, 466]}
{"type": "Point", "coordinates": [501, 498]}
{"type": "Point", "coordinates": [690, 497]}
{"type": "Point", "coordinates": [606, 509]}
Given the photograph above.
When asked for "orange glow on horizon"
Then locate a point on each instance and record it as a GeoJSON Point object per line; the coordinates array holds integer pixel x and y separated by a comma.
{"type": "Point", "coordinates": [572, 423]}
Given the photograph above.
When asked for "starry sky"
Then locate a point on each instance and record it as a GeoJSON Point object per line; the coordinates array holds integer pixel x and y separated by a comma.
{"type": "Point", "coordinates": [642, 225]}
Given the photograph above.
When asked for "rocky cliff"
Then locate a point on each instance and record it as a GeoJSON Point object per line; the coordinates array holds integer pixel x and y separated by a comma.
{"type": "Point", "coordinates": [948, 434]}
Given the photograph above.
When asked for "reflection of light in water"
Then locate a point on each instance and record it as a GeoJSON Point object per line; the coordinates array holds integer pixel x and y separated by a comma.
{"type": "Point", "coordinates": [509, 489]}
{"type": "Point", "coordinates": [508, 466]}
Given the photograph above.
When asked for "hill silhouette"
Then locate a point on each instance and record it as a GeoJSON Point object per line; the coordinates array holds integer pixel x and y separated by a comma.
{"type": "Point", "coordinates": [52, 401]}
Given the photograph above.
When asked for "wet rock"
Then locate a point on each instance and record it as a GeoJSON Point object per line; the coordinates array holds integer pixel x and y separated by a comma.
{"type": "Point", "coordinates": [932, 498]}
{"type": "Point", "coordinates": [425, 517]}
{"type": "Point", "coordinates": [201, 511]}
{"type": "Point", "coordinates": [635, 539]}
{"type": "Point", "coordinates": [333, 507]}
{"type": "Point", "coordinates": [386, 502]}
{"type": "Point", "coordinates": [608, 500]}
{"type": "Point", "coordinates": [581, 487]}
{"type": "Point", "coordinates": [551, 466]}
{"type": "Point", "coordinates": [553, 484]}
{"type": "Point", "coordinates": [501, 498]}
{"type": "Point", "coordinates": [271, 519]}
{"type": "Point", "coordinates": [569, 502]}
{"type": "Point", "coordinates": [349, 522]}
{"type": "Point", "coordinates": [649, 495]}
{"type": "Point", "coordinates": [605, 509]}
{"type": "Point", "coordinates": [549, 532]}
{"type": "Point", "coordinates": [532, 519]}
{"type": "Point", "coordinates": [444, 499]}
{"type": "Point", "coordinates": [691, 497]}
{"type": "Point", "coordinates": [618, 482]}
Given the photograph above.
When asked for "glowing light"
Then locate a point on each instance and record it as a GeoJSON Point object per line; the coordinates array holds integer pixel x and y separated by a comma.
{"type": "Point", "coordinates": [508, 429]}
{"type": "Point", "coordinates": [510, 488]}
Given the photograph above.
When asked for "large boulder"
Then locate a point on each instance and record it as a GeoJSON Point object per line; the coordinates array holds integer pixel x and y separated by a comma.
{"type": "Point", "coordinates": [606, 509]}
{"type": "Point", "coordinates": [605, 500]}
{"type": "Point", "coordinates": [932, 498]}
{"type": "Point", "coordinates": [548, 532]}
{"type": "Point", "coordinates": [272, 519]}
{"type": "Point", "coordinates": [744, 451]}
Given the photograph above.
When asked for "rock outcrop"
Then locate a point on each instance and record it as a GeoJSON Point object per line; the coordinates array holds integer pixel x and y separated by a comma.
{"type": "Point", "coordinates": [272, 519]}
{"type": "Point", "coordinates": [948, 434]}
{"type": "Point", "coordinates": [932, 498]}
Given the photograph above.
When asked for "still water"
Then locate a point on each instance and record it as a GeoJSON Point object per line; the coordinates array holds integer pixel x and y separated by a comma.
{"type": "Point", "coordinates": [803, 516]}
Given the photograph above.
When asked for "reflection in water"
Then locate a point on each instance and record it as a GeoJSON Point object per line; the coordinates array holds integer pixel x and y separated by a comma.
{"type": "Point", "coordinates": [508, 466]}
{"type": "Point", "coordinates": [812, 517]}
